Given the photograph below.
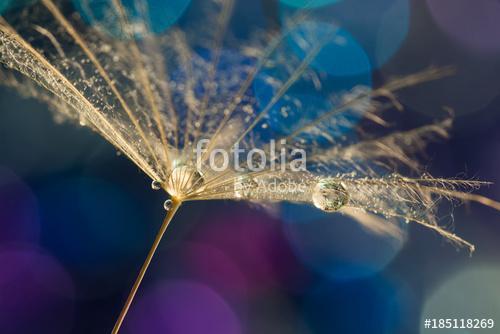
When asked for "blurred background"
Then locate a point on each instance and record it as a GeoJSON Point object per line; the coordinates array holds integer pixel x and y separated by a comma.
{"type": "Point", "coordinates": [77, 219]}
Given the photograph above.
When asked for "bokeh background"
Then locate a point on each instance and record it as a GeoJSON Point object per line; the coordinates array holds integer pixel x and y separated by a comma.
{"type": "Point", "coordinates": [77, 219]}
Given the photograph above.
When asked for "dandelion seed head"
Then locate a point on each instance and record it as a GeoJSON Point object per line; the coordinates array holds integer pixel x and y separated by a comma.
{"type": "Point", "coordinates": [184, 103]}
{"type": "Point", "coordinates": [183, 179]}
{"type": "Point", "coordinates": [157, 96]}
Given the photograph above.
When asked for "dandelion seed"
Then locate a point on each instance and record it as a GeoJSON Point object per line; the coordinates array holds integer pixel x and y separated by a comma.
{"type": "Point", "coordinates": [158, 97]}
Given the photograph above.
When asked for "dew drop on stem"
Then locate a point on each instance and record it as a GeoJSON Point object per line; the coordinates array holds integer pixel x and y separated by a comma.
{"type": "Point", "coordinates": [168, 205]}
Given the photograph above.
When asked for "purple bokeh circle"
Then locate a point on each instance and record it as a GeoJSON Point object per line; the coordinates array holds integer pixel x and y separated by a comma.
{"type": "Point", "coordinates": [216, 268]}
{"type": "Point", "coordinates": [474, 24]}
{"type": "Point", "coordinates": [255, 244]}
{"type": "Point", "coordinates": [182, 307]}
{"type": "Point", "coordinates": [35, 292]}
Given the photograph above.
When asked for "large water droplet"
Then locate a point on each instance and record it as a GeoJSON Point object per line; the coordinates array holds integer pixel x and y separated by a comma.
{"type": "Point", "coordinates": [184, 179]}
{"type": "Point", "coordinates": [329, 195]}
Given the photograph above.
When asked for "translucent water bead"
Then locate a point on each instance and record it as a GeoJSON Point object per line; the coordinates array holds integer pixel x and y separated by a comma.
{"type": "Point", "coordinates": [156, 185]}
{"type": "Point", "coordinates": [184, 179]}
{"type": "Point", "coordinates": [329, 195]}
{"type": "Point", "coordinates": [167, 205]}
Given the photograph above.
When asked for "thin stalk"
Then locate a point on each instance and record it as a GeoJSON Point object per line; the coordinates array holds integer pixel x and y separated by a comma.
{"type": "Point", "coordinates": [176, 203]}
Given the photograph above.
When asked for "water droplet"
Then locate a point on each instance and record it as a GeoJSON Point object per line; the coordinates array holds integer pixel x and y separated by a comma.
{"type": "Point", "coordinates": [167, 205]}
{"type": "Point", "coordinates": [82, 121]}
{"type": "Point", "coordinates": [329, 195]}
{"type": "Point", "coordinates": [156, 185]}
{"type": "Point", "coordinates": [184, 179]}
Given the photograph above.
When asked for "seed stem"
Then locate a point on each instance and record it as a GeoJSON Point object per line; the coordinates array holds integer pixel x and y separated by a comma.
{"type": "Point", "coordinates": [176, 203]}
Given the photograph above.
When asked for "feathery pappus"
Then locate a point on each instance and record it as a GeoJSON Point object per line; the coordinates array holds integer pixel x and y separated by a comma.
{"type": "Point", "coordinates": [209, 115]}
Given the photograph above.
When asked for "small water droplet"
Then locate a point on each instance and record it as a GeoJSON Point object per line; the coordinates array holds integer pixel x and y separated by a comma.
{"type": "Point", "coordinates": [156, 185]}
{"type": "Point", "coordinates": [168, 204]}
